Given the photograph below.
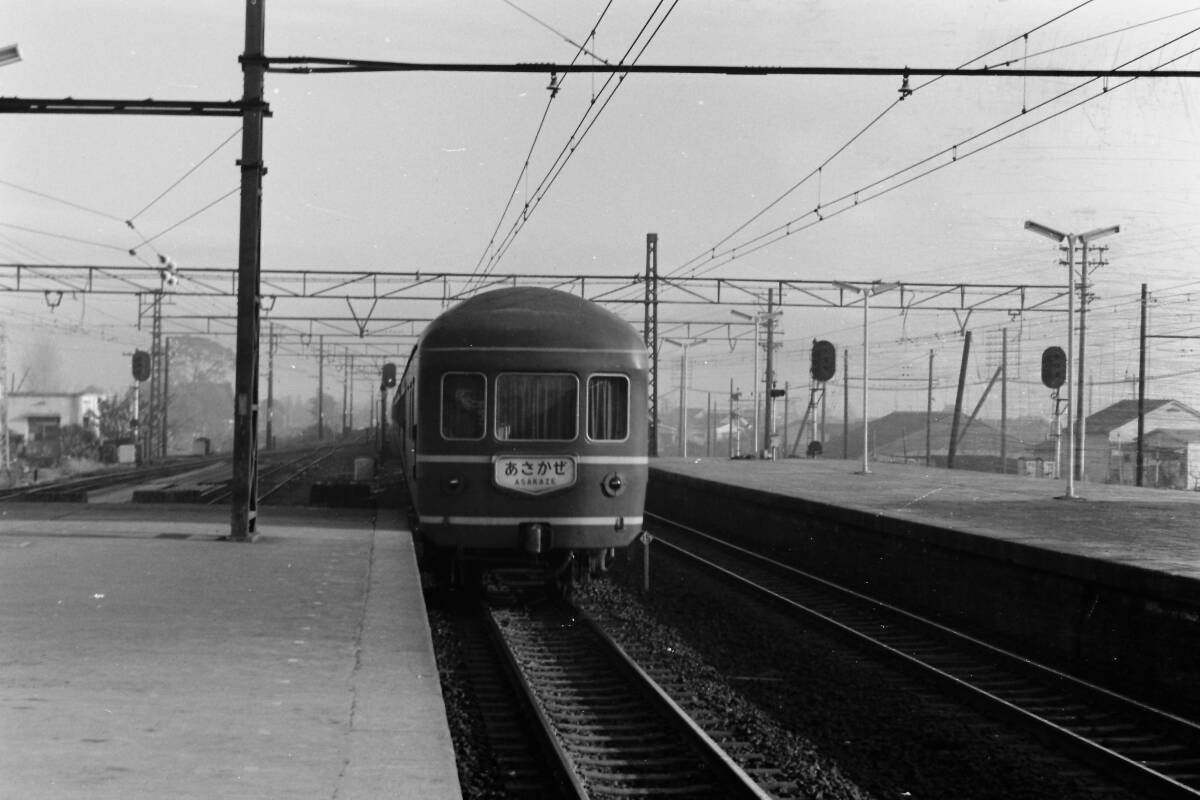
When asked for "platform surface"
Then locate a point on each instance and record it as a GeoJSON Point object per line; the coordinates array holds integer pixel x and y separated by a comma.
{"type": "Point", "coordinates": [141, 657]}
{"type": "Point", "coordinates": [1153, 529]}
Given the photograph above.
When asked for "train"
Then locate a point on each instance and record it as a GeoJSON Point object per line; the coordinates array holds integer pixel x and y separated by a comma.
{"type": "Point", "coordinates": [521, 424]}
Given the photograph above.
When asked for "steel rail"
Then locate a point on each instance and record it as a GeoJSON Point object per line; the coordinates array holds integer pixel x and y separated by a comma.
{"type": "Point", "coordinates": [614, 727]}
{"type": "Point", "coordinates": [1154, 751]}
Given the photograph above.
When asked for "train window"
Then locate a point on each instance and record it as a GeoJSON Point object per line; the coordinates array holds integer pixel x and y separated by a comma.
{"type": "Point", "coordinates": [608, 408]}
{"type": "Point", "coordinates": [464, 398]}
{"type": "Point", "coordinates": [536, 406]}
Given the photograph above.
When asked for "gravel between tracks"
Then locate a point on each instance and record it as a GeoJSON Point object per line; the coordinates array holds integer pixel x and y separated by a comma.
{"type": "Point", "coordinates": [844, 726]}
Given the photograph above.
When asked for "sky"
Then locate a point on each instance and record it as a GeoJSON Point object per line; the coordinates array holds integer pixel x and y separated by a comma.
{"type": "Point", "coordinates": [408, 172]}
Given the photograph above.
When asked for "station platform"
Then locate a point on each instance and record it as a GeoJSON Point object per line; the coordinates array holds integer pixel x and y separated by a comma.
{"type": "Point", "coordinates": [1152, 529]}
{"type": "Point", "coordinates": [1106, 585]}
{"type": "Point", "coordinates": [143, 657]}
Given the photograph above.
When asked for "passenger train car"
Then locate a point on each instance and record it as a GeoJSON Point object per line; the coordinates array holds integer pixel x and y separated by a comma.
{"type": "Point", "coordinates": [521, 422]}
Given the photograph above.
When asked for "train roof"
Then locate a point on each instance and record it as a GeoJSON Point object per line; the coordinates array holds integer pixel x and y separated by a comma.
{"type": "Point", "coordinates": [528, 316]}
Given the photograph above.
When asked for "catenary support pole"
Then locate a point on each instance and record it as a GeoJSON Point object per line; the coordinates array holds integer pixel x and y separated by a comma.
{"type": "Point", "coordinates": [958, 400]}
{"type": "Point", "coordinates": [1004, 403]}
{"type": "Point", "coordinates": [929, 416]}
{"type": "Point", "coordinates": [244, 501]}
{"type": "Point", "coordinates": [846, 403]}
{"type": "Point", "coordinates": [1141, 419]}
{"type": "Point", "coordinates": [1080, 419]}
{"type": "Point", "coordinates": [650, 334]}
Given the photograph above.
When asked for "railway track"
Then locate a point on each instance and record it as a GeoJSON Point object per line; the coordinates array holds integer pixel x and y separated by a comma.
{"type": "Point", "coordinates": [273, 475]}
{"type": "Point", "coordinates": [1154, 753]}
{"type": "Point", "coordinates": [276, 470]}
{"type": "Point", "coordinates": [611, 731]}
{"type": "Point", "coordinates": [77, 489]}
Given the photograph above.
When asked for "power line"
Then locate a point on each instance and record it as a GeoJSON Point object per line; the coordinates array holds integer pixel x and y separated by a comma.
{"type": "Point", "coordinates": [64, 237]}
{"type": "Point", "coordinates": [593, 111]}
{"type": "Point", "coordinates": [529, 155]}
{"type": "Point", "coordinates": [855, 198]}
{"type": "Point", "coordinates": [559, 34]}
{"type": "Point", "coordinates": [828, 160]}
{"type": "Point", "coordinates": [193, 215]}
{"type": "Point", "coordinates": [184, 177]}
{"type": "Point", "coordinates": [61, 201]}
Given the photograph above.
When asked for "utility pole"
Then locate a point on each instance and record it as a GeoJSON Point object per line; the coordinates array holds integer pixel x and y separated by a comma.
{"type": "Point", "coordinates": [1080, 419]}
{"type": "Point", "coordinates": [166, 393]}
{"type": "Point", "coordinates": [153, 422]}
{"type": "Point", "coordinates": [4, 446]}
{"type": "Point", "coordinates": [1004, 403]}
{"type": "Point", "coordinates": [958, 400]}
{"type": "Point", "coordinates": [768, 431]}
{"type": "Point", "coordinates": [270, 386]}
{"type": "Point", "coordinates": [244, 517]}
{"type": "Point", "coordinates": [929, 416]}
{"type": "Point", "coordinates": [320, 388]}
{"type": "Point", "coordinates": [1141, 423]}
{"type": "Point", "coordinates": [846, 403]}
{"type": "Point", "coordinates": [345, 386]}
{"type": "Point", "coordinates": [683, 378]}
{"type": "Point", "coordinates": [650, 333]}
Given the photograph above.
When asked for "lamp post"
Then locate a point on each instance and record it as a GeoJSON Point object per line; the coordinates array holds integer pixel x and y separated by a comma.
{"type": "Point", "coordinates": [10, 54]}
{"type": "Point", "coordinates": [866, 290]}
{"type": "Point", "coordinates": [1058, 236]}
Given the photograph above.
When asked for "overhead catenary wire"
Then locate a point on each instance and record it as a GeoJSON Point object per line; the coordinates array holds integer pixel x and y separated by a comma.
{"type": "Point", "coordinates": [183, 177]}
{"type": "Point", "coordinates": [579, 47]}
{"type": "Point", "coordinates": [586, 123]}
{"type": "Point", "coordinates": [192, 216]}
{"type": "Point", "coordinates": [524, 171]}
{"type": "Point", "coordinates": [867, 192]}
{"type": "Point", "coordinates": [61, 201]}
{"type": "Point", "coordinates": [857, 135]}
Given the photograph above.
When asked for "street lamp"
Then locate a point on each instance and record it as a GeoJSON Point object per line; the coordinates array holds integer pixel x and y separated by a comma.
{"type": "Point", "coordinates": [1058, 236]}
{"type": "Point", "coordinates": [8, 55]}
{"type": "Point", "coordinates": [866, 290]}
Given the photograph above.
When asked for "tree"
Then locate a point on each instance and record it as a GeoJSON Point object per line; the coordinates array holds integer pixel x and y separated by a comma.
{"type": "Point", "coordinates": [200, 397]}
{"type": "Point", "coordinates": [76, 441]}
{"type": "Point", "coordinates": [116, 416]}
{"type": "Point", "coordinates": [195, 359]}
{"type": "Point", "coordinates": [330, 409]}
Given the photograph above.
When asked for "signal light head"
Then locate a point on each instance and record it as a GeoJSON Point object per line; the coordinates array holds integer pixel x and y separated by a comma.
{"type": "Point", "coordinates": [1054, 367]}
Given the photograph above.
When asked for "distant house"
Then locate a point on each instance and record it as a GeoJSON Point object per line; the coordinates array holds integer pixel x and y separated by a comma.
{"type": "Point", "coordinates": [36, 419]}
{"type": "Point", "coordinates": [1172, 432]}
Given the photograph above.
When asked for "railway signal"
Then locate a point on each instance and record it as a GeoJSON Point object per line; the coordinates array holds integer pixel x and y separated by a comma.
{"type": "Point", "coordinates": [824, 360]}
{"type": "Point", "coordinates": [141, 365]}
{"type": "Point", "coordinates": [1054, 367]}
